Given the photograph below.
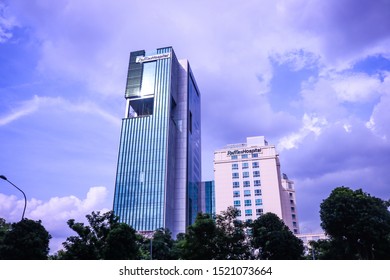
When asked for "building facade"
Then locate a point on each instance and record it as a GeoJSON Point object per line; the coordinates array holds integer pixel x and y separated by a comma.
{"type": "Point", "coordinates": [247, 176]}
{"type": "Point", "coordinates": [207, 198]}
{"type": "Point", "coordinates": [159, 161]}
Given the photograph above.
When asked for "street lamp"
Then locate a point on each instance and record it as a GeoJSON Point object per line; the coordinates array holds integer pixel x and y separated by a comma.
{"type": "Point", "coordinates": [25, 199]}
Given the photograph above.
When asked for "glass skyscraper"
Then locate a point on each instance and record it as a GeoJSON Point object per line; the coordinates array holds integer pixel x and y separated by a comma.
{"type": "Point", "coordinates": [159, 161]}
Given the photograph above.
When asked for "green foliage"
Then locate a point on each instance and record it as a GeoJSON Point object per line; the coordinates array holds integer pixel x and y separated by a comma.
{"type": "Point", "coordinates": [162, 245]}
{"type": "Point", "coordinates": [220, 239]}
{"type": "Point", "coordinates": [358, 225]}
{"type": "Point", "coordinates": [273, 240]}
{"type": "Point", "coordinates": [103, 238]}
{"type": "Point", "coordinates": [121, 243]}
{"type": "Point", "coordinates": [231, 237]}
{"type": "Point", "coordinates": [25, 240]}
{"type": "Point", "coordinates": [4, 227]}
{"type": "Point", "coordinates": [199, 243]}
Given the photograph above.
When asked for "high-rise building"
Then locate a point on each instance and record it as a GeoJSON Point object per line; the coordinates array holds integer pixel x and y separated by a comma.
{"type": "Point", "coordinates": [247, 176]}
{"type": "Point", "coordinates": [159, 161]}
{"type": "Point", "coordinates": [207, 198]}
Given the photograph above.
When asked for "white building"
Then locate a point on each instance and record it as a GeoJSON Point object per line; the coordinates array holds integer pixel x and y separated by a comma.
{"type": "Point", "coordinates": [307, 237]}
{"type": "Point", "coordinates": [247, 176]}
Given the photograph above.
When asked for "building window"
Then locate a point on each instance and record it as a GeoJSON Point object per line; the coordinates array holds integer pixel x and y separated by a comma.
{"type": "Point", "coordinates": [259, 212]}
{"type": "Point", "coordinates": [293, 209]}
{"type": "Point", "coordinates": [234, 157]}
{"type": "Point", "coordinates": [259, 202]}
{"type": "Point", "coordinates": [239, 213]}
{"type": "Point", "coordinates": [245, 165]}
{"type": "Point", "coordinates": [236, 184]}
{"type": "Point", "coordinates": [248, 202]}
{"type": "Point", "coordinates": [293, 216]}
{"type": "Point", "coordinates": [245, 174]}
{"type": "Point", "coordinates": [236, 194]}
{"type": "Point", "coordinates": [247, 193]}
{"type": "Point", "coordinates": [237, 203]}
{"type": "Point", "coordinates": [257, 183]}
{"type": "Point", "coordinates": [257, 192]}
{"type": "Point", "coordinates": [291, 202]}
{"type": "Point", "coordinates": [248, 212]}
{"type": "Point", "coordinates": [255, 155]}
{"type": "Point", "coordinates": [235, 175]}
{"type": "Point", "coordinates": [256, 173]}
{"type": "Point", "coordinates": [244, 156]}
{"type": "Point", "coordinates": [190, 125]}
{"type": "Point", "coordinates": [234, 166]}
{"type": "Point", "coordinates": [291, 195]}
{"type": "Point", "coordinates": [294, 224]}
{"type": "Point", "coordinates": [247, 184]}
{"type": "Point", "coordinates": [255, 164]}
{"type": "Point", "coordinates": [295, 231]}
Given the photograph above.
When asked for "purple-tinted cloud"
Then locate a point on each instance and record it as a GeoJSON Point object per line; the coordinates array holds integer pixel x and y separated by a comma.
{"type": "Point", "coordinates": [345, 29]}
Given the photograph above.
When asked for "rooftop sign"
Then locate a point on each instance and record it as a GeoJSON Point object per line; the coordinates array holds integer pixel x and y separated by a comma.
{"type": "Point", "coordinates": [246, 151]}
{"type": "Point", "coordinates": [141, 59]}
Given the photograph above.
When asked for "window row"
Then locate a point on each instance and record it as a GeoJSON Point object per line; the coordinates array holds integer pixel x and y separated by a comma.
{"type": "Point", "coordinates": [249, 212]}
{"type": "Point", "coordinates": [246, 184]}
{"type": "Point", "coordinates": [246, 193]}
{"type": "Point", "coordinates": [255, 155]}
{"type": "Point", "coordinates": [236, 175]}
{"type": "Point", "coordinates": [248, 202]}
{"type": "Point", "coordinates": [245, 165]}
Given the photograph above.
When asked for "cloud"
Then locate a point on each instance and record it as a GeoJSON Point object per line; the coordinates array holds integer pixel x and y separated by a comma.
{"type": "Point", "coordinates": [344, 31]}
{"type": "Point", "coordinates": [55, 212]}
{"type": "Point", "coordinates": [27, 108]}
{"type": "Point", "coordinates": [297, 59]}
{"type": "Point", "coordinates": [7, 23]}
{"type": "Point", "coordinates": [311, 124]}
{"type": "Point", "coordinates": [380, 117]}
{"type": "Point", "coordinates": [38, 102]}
{"type": "Point", "coordinates": [356, 87]}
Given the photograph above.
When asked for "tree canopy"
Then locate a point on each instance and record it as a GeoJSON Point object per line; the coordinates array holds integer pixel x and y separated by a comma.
{"type": "Point", "coordinates": [200, 241]}
{"type": "Point", "coordinates": [24, 240]}
{"type": "Point", "coordinates": [273, 240]}
{"type": "Point", "coordinates": [103, 238]}
{"type": "Point", "coordinates": [357, 223]}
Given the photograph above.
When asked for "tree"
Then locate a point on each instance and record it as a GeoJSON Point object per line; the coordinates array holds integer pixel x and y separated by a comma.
{"type": "Point", "coordinates": [4, 227]}
{"type": "Point", "coordinates": [357, 223]}
{"type": "Point", "coordinates": [25, 240]}
{"type": "Point", "coordinates": [221, 239]}
{"type": "Point", "coordinates": [199, 243]}
{"type": "Point", "coordinates": [273, 239]}
{"type": "Point", "coordinates": [103, 238]}
{"type": "Point", "coordinates": [231, 236]}
{"type": "Point", "coordinates": [162, 245]}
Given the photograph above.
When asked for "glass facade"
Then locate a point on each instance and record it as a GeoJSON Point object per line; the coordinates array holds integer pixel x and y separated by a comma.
{"type": "Point", "coordinates": [158, 170]}
{"type": "Point", "coordinates": [207, 198]}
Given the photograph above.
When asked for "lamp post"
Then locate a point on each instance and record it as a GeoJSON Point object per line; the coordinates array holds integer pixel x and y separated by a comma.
{"type": "Point", "coordinates": [25, 199]}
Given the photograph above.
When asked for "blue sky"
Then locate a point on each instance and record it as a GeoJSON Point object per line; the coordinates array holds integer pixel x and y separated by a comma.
{"type": "Point", "coordinates": [311, 76]}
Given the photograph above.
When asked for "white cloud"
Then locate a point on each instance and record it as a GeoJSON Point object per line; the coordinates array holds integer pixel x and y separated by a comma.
{"type": "Point", "coordinates": [347, 127]}
{"type": "Point", "coordinates": [28, 107]}
{"type": "Point", "coordinates": [6, 24]}
{"type": "Point", "coordinates": [311, 124]}
{"type": "Point", "coordinates": [38, 102]}
{"type": "Point", "coordinates": [380, 117]}
{"type": "Point", "coordinates": [55, 212]}
{"type": "Point", "coordinates": [356, 87]}
{"type": "Point", "coordinates": [297, 59]}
